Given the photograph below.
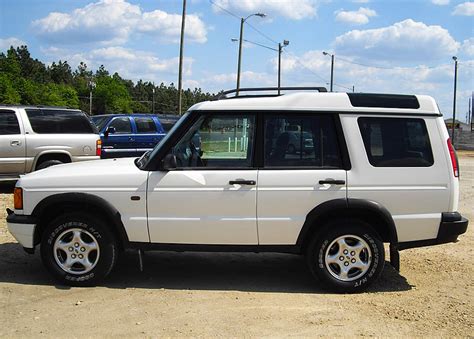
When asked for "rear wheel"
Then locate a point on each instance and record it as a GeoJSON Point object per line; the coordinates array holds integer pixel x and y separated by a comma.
{"type": "Point", "coordinates": [78, 250]}
{"type": "Point", "coordinates": [347, 256]}
{"type": "Point", "coordinates": [48, 163]}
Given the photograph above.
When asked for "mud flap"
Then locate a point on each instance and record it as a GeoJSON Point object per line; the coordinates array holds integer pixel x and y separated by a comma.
{"type": "Point", "coordinates": [140, 260]}
{"type": "Point", "coordinates": [394, 257]}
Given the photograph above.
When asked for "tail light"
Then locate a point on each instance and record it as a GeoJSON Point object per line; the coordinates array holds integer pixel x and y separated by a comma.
{"type": "Point", "coordinates": [98, 147]}
{"type": "Point", "coordinates": [18, 198]}
{"type": "Point", "coordinates": [454, 158]}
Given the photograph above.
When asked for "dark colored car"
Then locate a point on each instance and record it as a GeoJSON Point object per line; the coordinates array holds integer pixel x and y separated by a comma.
{"type": "Point", "coordinates": [128, 135]}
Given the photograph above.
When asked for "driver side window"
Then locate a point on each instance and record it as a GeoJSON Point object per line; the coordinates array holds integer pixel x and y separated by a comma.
{"type": "Point", "coordinates": [217, 141]}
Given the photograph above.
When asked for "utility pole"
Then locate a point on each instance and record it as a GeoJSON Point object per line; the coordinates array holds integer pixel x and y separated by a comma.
{"type": "Point", "coordinates": [353, 89]}
{"type": "Point", "coordinates": [454, 99]}
{"type": "Point", "coordinates": [91, 88]}
{"type": "Point", "coordinates": [153, 100]}
{"type": "Point", "coordinates": [180, 76]}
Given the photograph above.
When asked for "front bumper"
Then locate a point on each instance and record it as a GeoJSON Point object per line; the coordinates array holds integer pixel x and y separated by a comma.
{"type": "Point", "coordinates": [22, 227]}
{"type": "Point", "coordinates": [452, 225]}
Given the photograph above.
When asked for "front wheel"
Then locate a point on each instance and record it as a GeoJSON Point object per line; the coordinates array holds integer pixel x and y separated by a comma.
{"type": "Point", "coordinates": [78, 250]}
{"type": "Point", "coordinates": [347, 256]}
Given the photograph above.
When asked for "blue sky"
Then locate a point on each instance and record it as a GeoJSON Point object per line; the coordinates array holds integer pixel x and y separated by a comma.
{"type": "Point", "coordinates": [380, 46]}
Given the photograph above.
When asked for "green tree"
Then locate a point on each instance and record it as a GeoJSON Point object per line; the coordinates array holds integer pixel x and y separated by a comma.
{"type": "Point", "coordinates": [8, 94]}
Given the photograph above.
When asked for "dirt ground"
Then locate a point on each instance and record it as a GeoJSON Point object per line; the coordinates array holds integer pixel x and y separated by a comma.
{"type": "Point", "coordinates": [228, 295]}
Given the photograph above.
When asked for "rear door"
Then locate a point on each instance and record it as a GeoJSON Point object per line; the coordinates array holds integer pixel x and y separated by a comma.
{"type": "Point", "coordinates": [148, 134]}
{"type": "Point", "coordinates": [12, 144]}
{"type": "Point", "coordinates": [302, 168]}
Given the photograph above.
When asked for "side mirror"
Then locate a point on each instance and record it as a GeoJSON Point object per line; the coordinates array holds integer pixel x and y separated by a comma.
{"type": "Point", "coordinates": [110, 130]}
{"type": "Point", "coordinates": [169, 162]}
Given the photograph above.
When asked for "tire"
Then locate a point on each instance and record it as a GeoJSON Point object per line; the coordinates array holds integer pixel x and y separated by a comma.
{"type": "Point", "coordinates": [291, 149]}
{"type": "Point", "coordinates": [346, 256]}
{"type": "Point", "coordinates": [78, 249]}
{"type": "Point", "coordinates": [48, 163]}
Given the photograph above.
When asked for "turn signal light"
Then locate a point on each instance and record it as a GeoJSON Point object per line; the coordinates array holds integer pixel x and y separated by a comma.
{"type": "Point", "coordinates": [18, 198]}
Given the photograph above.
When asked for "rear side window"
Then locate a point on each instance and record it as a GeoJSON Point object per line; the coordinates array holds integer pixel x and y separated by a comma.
{"type": "Point", "coordinates": [396, 142]}
{"type": "Point", "coordinates": [145, 125]}
{"type": "Point", "coordinates": [8, 123]}
{"type": "Point", "coordinates": [301, 141]}
{"type": "Point", "coordinates": [121, 125]}
{"type": "Point", "coordinates": [52, 121]}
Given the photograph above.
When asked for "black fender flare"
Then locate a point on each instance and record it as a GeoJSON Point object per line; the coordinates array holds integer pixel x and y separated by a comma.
{"type": "Point", "coordinates": [349, 206]}
{"type": "Point", "coordinates": [84, 200]}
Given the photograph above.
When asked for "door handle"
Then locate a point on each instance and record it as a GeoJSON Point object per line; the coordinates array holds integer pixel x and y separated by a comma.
{"type": "Point", "coordinates": [15, 143]}
{"type": "Point", "coordinates": [242, 182]}
{"type": "Point", "coordinates": [332, 182]}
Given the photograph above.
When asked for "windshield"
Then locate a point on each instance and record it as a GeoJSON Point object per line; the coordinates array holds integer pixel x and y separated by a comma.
{"type": "Point", "coordinates": [99, 122]}
{"type": "Point", "coordinates": [141, 162]}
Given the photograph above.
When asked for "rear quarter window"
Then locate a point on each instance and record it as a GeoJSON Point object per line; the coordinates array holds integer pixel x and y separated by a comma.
{"type": "Point", "coordinates": [396, 142]}
{"type": "Point", "coordinates": [57, 121]}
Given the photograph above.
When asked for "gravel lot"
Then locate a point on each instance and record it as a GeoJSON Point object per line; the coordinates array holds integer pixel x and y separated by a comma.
{"type": "Point", "coordinates": [200, 294]}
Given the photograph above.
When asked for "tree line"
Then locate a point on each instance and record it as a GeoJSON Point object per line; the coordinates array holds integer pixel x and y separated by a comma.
{"type": "Point", "coordinates": [28, 81]}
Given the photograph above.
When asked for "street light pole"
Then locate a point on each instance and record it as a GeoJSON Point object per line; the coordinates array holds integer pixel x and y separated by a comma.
{"type": "Point", "coordinates": [332, 69]}
{"type": "Point", "coordinates": [454, 98]}
{"type": "Point", "coordinates": [180, 76]}
{"type": "Point", "coordinates": [280, 48]}
{"type": "Point", "coordinates": [239, 63]}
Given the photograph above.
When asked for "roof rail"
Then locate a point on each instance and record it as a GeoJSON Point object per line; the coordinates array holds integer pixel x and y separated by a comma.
{"type": "Point", "coordinates": [223, 95]}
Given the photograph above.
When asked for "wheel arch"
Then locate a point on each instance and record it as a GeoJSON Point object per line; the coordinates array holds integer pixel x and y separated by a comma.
{"type": "Point", "coordinates": [63, 156]}
{"type": "Point", "coordinates": [370, 211]}
{"type": "Point", "coordinates": [55, 205]}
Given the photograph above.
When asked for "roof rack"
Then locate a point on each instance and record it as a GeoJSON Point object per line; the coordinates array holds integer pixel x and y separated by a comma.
{"type": "Point", "coordinates": [224, 94]}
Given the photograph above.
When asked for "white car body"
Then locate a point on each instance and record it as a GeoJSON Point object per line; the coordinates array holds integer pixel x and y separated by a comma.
{"type": "Point", "coordinates": [199, 206]}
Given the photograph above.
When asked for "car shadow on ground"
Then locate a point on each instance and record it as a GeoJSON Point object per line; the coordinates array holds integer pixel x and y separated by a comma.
{"type": "Point", "coordinates": [249, 272]}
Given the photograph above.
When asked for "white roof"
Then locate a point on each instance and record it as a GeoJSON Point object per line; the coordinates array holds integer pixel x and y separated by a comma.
{"type": "Point", "coordinates": [311, 101]}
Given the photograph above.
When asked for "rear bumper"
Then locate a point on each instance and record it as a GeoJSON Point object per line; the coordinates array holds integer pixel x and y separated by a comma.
{"type": "Point", "coordinates": [452, 225]}
{"type": "Point", "coordinates": [22, 227]}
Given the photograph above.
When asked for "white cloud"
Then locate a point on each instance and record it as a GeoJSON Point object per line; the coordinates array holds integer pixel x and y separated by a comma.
{"type": "Point", "coordinates": [468, 46]}
{"type": "Point", "coordinates": [112, 22]}
{"type": "Point", "coordinates": [466, 9]}
{"type": "Point", "coordinates": [295, 10]}
{"type": "Point", "coordinates": [12, 41]}
{"type": "Point", "coordinates": [129, 63]}
{"type": "Point", "coordinates": [359, 17]}
{"type": "Point", "coordinates": [440, 2]}
{"type": "Point", "coordinates": [407, 41]}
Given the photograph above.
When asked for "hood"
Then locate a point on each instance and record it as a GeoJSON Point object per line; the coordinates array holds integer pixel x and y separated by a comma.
{"type": "Point", "coordinates": [95, 174]}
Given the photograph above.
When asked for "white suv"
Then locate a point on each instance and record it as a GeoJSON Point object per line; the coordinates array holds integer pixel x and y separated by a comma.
{"type": "Point", "coordinates": [378, 169]}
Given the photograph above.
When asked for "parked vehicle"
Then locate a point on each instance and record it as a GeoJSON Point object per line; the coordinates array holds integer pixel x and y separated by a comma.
{"type": "Point", "coordinates": [33, 138]}
{"type": "Point", "coordinates": [128, 135]}
{"type": "Point", "coordinates": [382, 170]}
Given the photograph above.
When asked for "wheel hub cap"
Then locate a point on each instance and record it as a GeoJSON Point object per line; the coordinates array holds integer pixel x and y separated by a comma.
{"type": "Point", "coordinates": [348, 257]}
{"type": "Point", "coordinates": [76, 251]}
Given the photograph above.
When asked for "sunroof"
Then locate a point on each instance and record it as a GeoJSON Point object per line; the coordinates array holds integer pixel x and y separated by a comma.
{"type": "Point", "coordinates": [383, 100]}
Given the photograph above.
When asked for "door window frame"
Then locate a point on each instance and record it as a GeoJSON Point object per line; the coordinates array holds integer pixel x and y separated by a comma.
{"type": "Point", "coordinates": [258, 142]}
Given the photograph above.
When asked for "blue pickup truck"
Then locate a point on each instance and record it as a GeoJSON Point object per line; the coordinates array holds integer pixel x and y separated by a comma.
{"type": "Point", "coordinates": [128, 135]}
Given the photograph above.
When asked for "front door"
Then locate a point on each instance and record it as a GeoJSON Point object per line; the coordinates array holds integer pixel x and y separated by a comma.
{"type": "Point", "coordinates": [121, 142]}
{"type": "Point", "coordinates": [12, 145]}
{"type": "Point", "coordinates": [211, 197]}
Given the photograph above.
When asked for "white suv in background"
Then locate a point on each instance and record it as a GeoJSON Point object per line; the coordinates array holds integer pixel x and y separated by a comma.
{"type": "Point", "coordinates": [379, 169]}
{"type": "Point", "coordinates": [33, 138]}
